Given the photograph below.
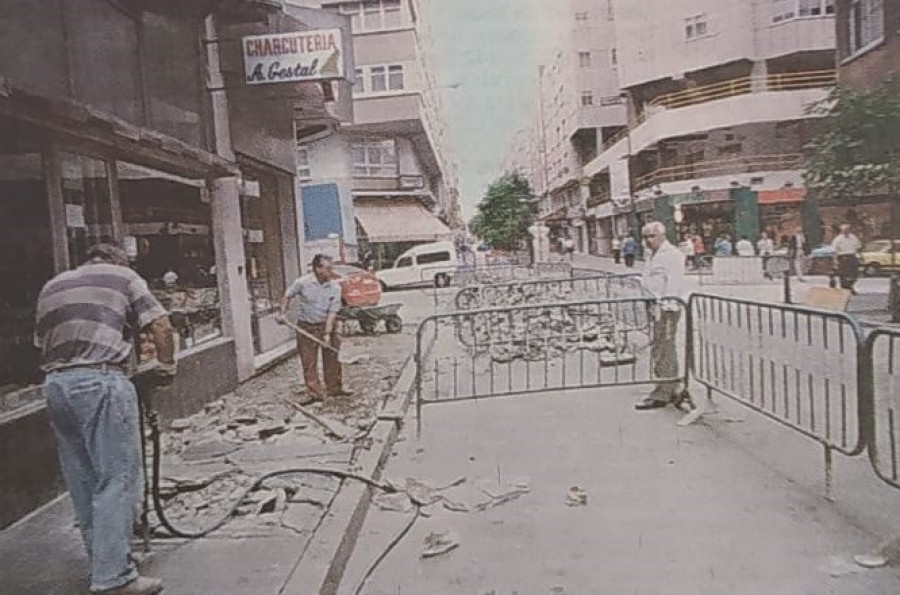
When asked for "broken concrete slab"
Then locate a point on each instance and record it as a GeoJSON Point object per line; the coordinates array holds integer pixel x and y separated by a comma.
{"type": "Point", "coordinates": [208, 449]}
{"type": "Point", "coordinates": [254, 453]}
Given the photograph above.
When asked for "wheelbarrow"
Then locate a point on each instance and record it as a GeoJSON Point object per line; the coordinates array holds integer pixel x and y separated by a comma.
{"type": "Point", "coordinates": [368, 317]}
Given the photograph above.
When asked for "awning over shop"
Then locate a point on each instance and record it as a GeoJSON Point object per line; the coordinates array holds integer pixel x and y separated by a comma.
{"type": "Point", "coordinates": [387, 220]}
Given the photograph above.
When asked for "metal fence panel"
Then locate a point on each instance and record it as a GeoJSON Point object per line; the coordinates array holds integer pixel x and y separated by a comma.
{"type": "Point", "coordinates": [798, 366]}
{"type": "Point", "coordinates": [534, 348]}
{"type": "Point", "coordinates": [883, 378]}
{"type": "Point", "coordinates": [537, 291]}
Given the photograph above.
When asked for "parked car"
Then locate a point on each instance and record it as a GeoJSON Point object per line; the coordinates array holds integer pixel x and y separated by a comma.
{"type": "Point", "coordinates": [878, 256]}
{"type": "Point", "coordinates": [821, 260]}
{"type": "Point", "coordinates": [426, 264]}
{"type": "Point", "coordinates": [359, 287]}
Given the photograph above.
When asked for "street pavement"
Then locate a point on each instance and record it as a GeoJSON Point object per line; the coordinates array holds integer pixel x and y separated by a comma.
{"type": "Point", "coordinates": [696, 510]}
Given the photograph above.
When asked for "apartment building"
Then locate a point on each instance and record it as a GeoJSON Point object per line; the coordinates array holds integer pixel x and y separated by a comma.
{"type": "Point", "coordinates": [391, 162]}
{"type": "Point", "coordinates": [717, 115]}
{"type": "Point", "coordinates": [577, 108]}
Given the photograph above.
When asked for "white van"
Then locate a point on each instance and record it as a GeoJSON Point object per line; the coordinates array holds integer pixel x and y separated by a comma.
{"type": "Point", "coordinates": [427, 264]}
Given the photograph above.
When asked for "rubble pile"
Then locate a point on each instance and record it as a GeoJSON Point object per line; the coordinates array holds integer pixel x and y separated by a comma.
{"type": "Point", "coordinates": [542, 334]}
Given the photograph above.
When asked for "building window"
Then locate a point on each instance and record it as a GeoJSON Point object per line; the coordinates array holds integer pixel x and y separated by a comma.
{"type": "Point", "coordinates": [378, 79]}
{"type": "Point", "coordinates": [610, 12]}
{"type": "Point", "coordinates": [696, 27]}
{"type": "Point", "coordinates": [359, 81]}
{"type": "Point", "coordinates": [395, 77]}
{"type": "Point", "coordinates": [866, 24]}
{"type": "Point", "coordinates": [613, 57]}
{"type": "Point", "coordinates": [584, 59]}
{"type": "Point", "coordinates": [581, 16]}
{"type": "Point", "coordinates": [587, 98]}
{"type": "Point", "coordinates": [303, 170]}
{"type": "Point", "coordinates": [374, 158]}
{"type": "Point", "coordinates": [374, 15]}
{"type": "Point", "coordinates": [785, 10]}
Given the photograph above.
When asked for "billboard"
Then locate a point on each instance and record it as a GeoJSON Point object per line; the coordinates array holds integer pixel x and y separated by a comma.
{"type": "Point", "coordinates": [293, 57]}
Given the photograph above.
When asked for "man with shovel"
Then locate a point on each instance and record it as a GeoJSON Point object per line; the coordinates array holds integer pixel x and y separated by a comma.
{"type": "Point", "coordinates": [315, 300]}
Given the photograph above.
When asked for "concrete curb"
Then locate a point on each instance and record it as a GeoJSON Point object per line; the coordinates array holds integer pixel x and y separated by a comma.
{"type": "Point", "coordinates": [322, 565]}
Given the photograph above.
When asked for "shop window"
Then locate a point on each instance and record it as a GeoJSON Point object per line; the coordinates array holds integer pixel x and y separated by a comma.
{"type": "Point", "coordinates": [374, 15]}
{"type": "Point", "coordinates": [359, 81]}
{"type": "Point", "coordinates": [263, 250]}
{"type": "Point", "coordinates": [88, 208]}
{"type": "Point", "coordinates": [168, 219]}
{"type": "Point", "coordinates": [587, 98]}
{"type": "Point", "coordinates": [26, 254]}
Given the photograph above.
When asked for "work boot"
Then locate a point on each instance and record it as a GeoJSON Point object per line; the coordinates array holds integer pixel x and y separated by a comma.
{"type": "Point", "coordinates": [142, 585]}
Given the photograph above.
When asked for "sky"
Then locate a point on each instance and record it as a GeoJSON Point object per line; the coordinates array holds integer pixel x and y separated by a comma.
{"type": "Point", "coordinates": [491, 49]}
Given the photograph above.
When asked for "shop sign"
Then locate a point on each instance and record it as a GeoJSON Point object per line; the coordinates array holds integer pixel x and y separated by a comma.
{"type": "Point", "coordinates": [702, 197]}
{"type": "Point", "coordinates": [75, 217]}
{"type": "Point", "coordinates": [769, 197]}
{"type": "Point", "coordinates": [293, 57]}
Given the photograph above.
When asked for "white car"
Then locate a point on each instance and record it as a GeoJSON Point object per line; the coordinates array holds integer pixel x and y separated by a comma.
{"type": "Point", "coordinates": [427, 264]}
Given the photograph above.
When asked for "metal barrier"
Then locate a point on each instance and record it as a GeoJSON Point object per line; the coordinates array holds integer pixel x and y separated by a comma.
{"type": "Point", "coordinates": [477, 354]}
{"type": "Point", "coordinates": [881, 376]}
{"type": "Point", "coordinates": [798, 366]}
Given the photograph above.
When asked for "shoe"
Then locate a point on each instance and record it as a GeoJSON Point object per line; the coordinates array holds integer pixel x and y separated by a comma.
{"type": "Point", "coordinates": [341, 393]}
{"type": "Point", "coordinates": [650, 404]}
{"type": "Point", "coordinates": [142, 585]}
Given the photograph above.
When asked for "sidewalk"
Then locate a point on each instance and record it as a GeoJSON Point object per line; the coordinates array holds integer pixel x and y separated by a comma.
{"type": "Point", "coordinates": [209, 458]}
{"type": "Point", "coordinates": [731, 506]}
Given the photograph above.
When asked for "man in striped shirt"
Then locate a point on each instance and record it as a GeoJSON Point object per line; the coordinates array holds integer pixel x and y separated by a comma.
{"type": "Point", "coordinates": [87, 319]}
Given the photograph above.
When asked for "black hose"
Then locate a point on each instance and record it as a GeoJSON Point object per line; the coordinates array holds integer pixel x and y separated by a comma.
{"type": "Point", "coordinates": [390, 547]}
{"type": "Point", "coordinates": [176, 532]}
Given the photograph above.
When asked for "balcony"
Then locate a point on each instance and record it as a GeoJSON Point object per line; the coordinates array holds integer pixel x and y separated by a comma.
{"type": "Point", "coordinates": [720, 167]}
{"type": "Point", "coordinates": [794, 81]}
{"type": "Point", "coordinates": [598, 198]}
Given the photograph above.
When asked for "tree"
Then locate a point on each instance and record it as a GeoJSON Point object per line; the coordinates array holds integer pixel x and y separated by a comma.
{"type": "Point", "coordinates": [505, 213]}
{"type": "Point", "coordinates": [858, 151]}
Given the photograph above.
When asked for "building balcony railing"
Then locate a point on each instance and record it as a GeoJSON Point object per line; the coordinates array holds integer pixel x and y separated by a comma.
{"type": "Point", "coordinates": [598, 198]}
{"type": "Point", "coordinates": [794, 81]}
{"type": "Point", "coordinates": [720, 167]}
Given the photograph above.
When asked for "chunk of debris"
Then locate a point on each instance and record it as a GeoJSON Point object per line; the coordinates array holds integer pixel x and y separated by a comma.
{"type": "Point", "coordinates": [576, 497]}
{"type": "Point", "coordinates": [208, 449]}
{"type": "Point", "coordinates": [437, 544]}
{"type": "Point", "coordinates": [273, 429]}
{"type": "Point", "coordinates": [180, 425]}
{"type": "Point", "coordinates": [397, 502]}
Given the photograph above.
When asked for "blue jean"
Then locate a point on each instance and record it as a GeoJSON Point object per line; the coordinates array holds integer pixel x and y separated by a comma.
{"type": "Point", "coordinates": [94, 414]}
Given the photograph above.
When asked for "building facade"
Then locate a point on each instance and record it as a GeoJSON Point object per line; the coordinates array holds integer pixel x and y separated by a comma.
{"type": "Point", "coordinates": [392, 161]}
{"type": "Point", "coordinates": [715, 121]}
{"type": "Point", "coordinates": [150, 136]}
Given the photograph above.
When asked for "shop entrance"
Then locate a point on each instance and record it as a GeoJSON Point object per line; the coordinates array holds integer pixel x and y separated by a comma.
{"type": "Point", "coordinates": [709, 220]}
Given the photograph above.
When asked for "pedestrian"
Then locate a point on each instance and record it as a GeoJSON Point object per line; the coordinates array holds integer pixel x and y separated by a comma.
{"type": "Point", "coordinates": [315, 300]}
{"type": "Point", "coordinates": [687, 248]}
{"type": "Point", "coordinates": [798, 251]}
{"type": "Point", "coordinates": [699, 251]}
{"type": "Point", "coordinates": [744, 247]}
{"type": "Point", "coordinates": [846, 249]}
{"type": "Point", "coordinates": [617, 250]}
{"type": "Point", "coordinates": [568, 247]}
{"type": "Point", "coordinates": [765, 246]}
{"type": "Point", "coordinates": [83, 330]}
{"type": "Point", "coordinates": [629, 251]}
{"type": "Point", "coordinates": [723, 246]}
{"type": "Point", "coordinates": [664, 277]}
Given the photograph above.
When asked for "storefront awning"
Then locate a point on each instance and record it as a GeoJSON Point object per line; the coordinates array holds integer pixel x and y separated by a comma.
{"type": "Point", "coordinates": [400, 221]}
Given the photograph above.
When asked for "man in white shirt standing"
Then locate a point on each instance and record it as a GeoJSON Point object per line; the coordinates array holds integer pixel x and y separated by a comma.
{"type": "Point", "coordinates": [744, 247]}
{"type": "Point", "coordinates": [846, 249]}
{"type": "Point", "coordinates": [664, 277]}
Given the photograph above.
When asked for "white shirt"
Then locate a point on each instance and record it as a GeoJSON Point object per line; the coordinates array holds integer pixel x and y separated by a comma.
{"type": "Point", "coordinates": [765, 246]}
{"type": "Point", "coordinates": [664, 273]}
{"type": "Point", "coordinates": [846, 245]}
{"type": "Point", "coordinates": [745, 248]}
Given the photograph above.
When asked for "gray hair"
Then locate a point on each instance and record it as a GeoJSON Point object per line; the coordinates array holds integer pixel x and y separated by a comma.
{"type": "Point", "coordinates": [107, 253]}
{"type": "Point", "coordinates": [654, 227]}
